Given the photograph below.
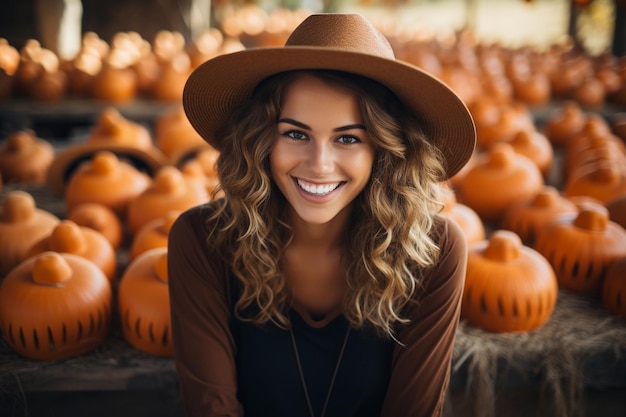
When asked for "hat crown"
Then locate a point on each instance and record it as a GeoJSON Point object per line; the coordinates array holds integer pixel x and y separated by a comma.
{"type": "Point", "coordinates": [350, 32]}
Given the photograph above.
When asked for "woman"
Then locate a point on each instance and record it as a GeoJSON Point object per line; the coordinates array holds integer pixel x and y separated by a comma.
{"type": "Point", "coordinates": [324, 283]}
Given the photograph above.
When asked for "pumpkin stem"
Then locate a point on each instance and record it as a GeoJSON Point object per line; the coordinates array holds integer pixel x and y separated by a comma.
{"type": "Point", "coordinates": [68, 237]}
{"type": "Point", "coordinates": [592, 217]}
{"type": "Point", "coordinates": [104, 163]}
{"type": "Point", "coordinates": [18, 207]}
{"type": "Point", "coordinates": [51, 268]}
{"type": "Point", "coordinates": [504, 246]}
{"type": "Point", "coordinates": [169, 181]}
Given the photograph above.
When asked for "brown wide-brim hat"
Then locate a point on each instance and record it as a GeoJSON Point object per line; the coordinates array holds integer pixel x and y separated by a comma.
{"type": "Point", "coordinates": [68, 160]}
{"type": "Point", "coordinates": [342, 42]}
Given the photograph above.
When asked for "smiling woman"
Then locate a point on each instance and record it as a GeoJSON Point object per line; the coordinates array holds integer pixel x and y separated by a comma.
{"type": "Point", "coordinates": [325, 282]}
{"type": "Point", "coordinates": [322, 158]}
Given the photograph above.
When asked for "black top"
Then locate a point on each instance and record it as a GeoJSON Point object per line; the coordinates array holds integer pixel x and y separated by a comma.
{"type": "Point", "coordinates": [270, 383]}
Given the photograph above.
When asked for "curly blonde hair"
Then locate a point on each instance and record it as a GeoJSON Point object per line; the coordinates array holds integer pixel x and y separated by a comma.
{"type": "Point", "coordinates": [391, 227]}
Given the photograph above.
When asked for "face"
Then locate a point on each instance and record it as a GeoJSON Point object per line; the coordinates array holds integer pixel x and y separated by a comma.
{"type": "Point", "coordinates": [322, 157]}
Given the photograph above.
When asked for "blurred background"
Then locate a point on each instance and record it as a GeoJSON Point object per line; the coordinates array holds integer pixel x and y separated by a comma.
{"type": "Point", "coordinates": [59, 24]}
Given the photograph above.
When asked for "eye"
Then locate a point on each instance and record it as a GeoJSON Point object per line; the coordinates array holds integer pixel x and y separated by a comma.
{"type": "Point", "coordinates": [295, 135]}
{"type": "Point", "coordinates": [348, 140]}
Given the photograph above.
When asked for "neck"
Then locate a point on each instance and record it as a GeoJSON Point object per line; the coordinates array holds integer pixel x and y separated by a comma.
{"type": "Point", "coordinates": [330, 235]}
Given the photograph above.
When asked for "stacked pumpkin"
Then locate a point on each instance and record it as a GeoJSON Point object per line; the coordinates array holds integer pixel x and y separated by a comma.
{"type": "Point", "coordinates": [121, 191]}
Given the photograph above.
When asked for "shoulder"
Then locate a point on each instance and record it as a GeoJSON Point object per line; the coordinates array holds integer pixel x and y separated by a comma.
{"type": "Point", "coordinates": [449, 236]}
{"type": "Point", "coordinates": [195, 221]}
{"type": "Point", "coordinates": [191, 251]}
{"type": "Point", "coordinates": [196, 227]}
{"type": "Point", "coordinates": [450, 267]}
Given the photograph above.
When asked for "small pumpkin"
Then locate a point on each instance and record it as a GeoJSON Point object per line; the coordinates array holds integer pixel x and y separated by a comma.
{"type": "Point", "coordinates": [175, 136]}
{"type": "Point", "coordinates": [68, 237]}
{"type": "Point", "coordinates": [528, 218]}
{"type": "Point", "coordinates": [100, 218]}
{"type": "Point", "coordinates": [171, 81]}
{"type": "Point", "coordinates": [469, 221]}
{"type": "Point", "coordinates": [144, 307]}
{"type": "Point", "coordinates": [25, 158]}
{"type": "Point", "coordinates": [500, 180]}
{"type": "Point", "coordinates": [565, 123]}
{"type": "Point", "coordinates": [22, 224]}
{"type": "Point", "coordinates": [117, 81]}
{"type": "Point", "coordinates": [536, 147]}
{"type": "Point", "coordinates": [170, 190]}
{"type": "Point", "coordinates": [153, 234]}
{"type": "Point", "coordinates": [603, 180]}
{"type": "Point", "coordinates": [108, 180]}
{"type": "Point", "coordinates": [112, 128]}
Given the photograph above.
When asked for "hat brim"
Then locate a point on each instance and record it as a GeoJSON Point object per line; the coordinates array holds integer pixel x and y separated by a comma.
{"type": "Point", "coordinates": [69, 159]}
{"type": "Point", "coordinates": [227, 80]}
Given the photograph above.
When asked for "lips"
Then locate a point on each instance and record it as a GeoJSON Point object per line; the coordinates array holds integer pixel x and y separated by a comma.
{"type": "Point", "coordinates": [317, 189]}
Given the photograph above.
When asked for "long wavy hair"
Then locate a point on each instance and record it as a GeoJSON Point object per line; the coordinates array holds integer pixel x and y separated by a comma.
{"type": "Point", "coordinates": [391, 227]}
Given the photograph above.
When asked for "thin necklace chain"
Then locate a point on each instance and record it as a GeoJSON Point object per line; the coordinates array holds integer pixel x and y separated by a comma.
{"type": "Point", "coordinates": [332, 381]}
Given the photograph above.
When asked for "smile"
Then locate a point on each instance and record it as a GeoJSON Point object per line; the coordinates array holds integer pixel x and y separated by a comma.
{"type": "Point", "coordinates": [317, 190]}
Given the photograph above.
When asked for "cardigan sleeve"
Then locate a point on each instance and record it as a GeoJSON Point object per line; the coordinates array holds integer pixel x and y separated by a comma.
{"type": "Point", "coordinates": [204, 348]}
{"type": "Point", "coordinates": [421, 365]}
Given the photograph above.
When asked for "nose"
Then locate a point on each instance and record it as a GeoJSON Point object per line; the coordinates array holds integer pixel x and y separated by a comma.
{"type": "Point", "coordinates": [321, 158]}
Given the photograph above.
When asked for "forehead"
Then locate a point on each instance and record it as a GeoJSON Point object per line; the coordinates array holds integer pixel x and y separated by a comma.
{"type": "Point", "coordinates": [310, 95]}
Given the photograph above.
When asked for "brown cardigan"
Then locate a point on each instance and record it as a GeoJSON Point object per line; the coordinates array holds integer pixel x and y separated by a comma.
{"type": "Point", "coordinates": [206, 349]}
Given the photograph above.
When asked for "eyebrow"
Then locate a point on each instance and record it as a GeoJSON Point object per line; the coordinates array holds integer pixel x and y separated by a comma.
{"type": "Point", "coordinates": [306, 127]}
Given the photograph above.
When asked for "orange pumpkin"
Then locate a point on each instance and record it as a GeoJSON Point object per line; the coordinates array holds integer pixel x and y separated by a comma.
{"type": "Point", "coordinates": [565, 123]}
{"type": "Point", "coordinates": [602, 180]}
{"type": "Point", "coordinates": [25, 158]}
{"type": "Point", "coordinates": [530, 217]}
{"type": "Point", "coordinates": [170, 190]}
{"type": "Point", "coordinates": [174, 135]}
{"type": "Point", "coordinates": [581, 246]}
{"type": "Point", "coordinates": [68, 237]}
{"type": "Point", "coordinates": [536, 147]}
{"type": "Point", "coordinates": [469, 221]}
{"type": "Point", "coordinates": [500, 180]}
{"type": "Point", "coordinates": [509, 287]}
{"type": "Point", "coordinates": [153, 234]}
{"type": "Point", "coordinates": [144, 306]}
{"type": "Point", "coordinates": [54, 306]}
{"type": "Point", "coordinates": [21, 225]}
{"type": "Point", "coordinates": [117, 81]}
{"type": "Point", "coordinates": [100, 218]}
{"type": "Point", "coordinates": [107, 180]}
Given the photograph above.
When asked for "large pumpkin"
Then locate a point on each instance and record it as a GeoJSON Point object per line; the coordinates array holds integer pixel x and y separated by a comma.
{"type": "Point", "coordinates": [509, 287]}
{"type": "Point", "coordinates": [581, 246]}
{"type": "Point", "coordinates": [55, 306]}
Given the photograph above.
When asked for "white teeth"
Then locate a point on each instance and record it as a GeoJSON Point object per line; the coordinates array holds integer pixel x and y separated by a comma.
{"type": "Point", "coordinates": [319, 190]}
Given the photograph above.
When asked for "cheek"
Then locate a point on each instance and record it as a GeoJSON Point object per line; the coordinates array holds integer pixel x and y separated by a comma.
{"type": "Point", "coordinates": [365, 162]}
{"type": "Point", "coordinates": [276, 161]}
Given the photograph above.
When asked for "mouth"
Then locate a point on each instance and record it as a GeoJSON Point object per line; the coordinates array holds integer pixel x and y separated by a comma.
{"type": "Point", "coordinates": [318, 190]}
